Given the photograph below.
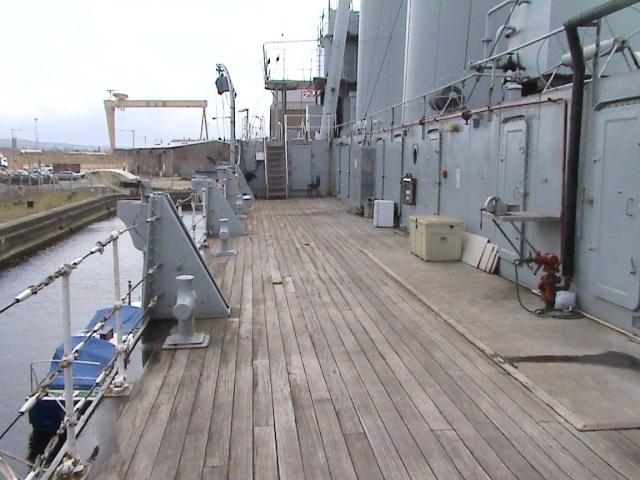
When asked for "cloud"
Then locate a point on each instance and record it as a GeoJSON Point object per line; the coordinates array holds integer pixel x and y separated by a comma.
{"type": "Point", "coordinates": [64, 55]}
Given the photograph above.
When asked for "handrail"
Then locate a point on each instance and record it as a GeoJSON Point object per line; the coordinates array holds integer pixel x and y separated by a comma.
{"type": "Point", "coordinates": [266, 165]}
{"type": "Point", "coordinates": [112, 374]}
{"type": "Point", "coordinates": [365, 121]}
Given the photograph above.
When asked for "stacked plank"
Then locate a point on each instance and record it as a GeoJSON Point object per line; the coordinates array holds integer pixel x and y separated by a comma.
{"type": "Point", "coordinates": [479, 253]}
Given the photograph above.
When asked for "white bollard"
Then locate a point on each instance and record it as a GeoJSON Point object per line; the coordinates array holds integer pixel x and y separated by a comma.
{"type": "Point", "coordinates": [184, 312]}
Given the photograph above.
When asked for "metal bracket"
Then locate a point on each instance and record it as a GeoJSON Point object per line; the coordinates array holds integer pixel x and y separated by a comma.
{"type": "Point", "coordinates": [170, 251]}
{"type": "Point", "coordinates": [217, 207]}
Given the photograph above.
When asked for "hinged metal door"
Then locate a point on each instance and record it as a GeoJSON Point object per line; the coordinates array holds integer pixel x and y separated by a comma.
{"type": "Point", "coordinates": [344, 171]}
{"type": "Point", "coordinates": [430, 177]}
{"type": "Point", "coordinates": [512, 174]}
{"type": "Point", "coordinates": [618, 175]}
{"type": "Point", "coordinates": [512, 170]}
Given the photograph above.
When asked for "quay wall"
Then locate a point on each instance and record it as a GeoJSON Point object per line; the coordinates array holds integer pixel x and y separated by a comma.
{"type": "Point", "coordinates": [26, 235]}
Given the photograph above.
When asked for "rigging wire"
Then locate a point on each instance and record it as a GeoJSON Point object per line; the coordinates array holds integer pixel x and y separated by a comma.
{"type": "Point", "coordinates": [48, 280]}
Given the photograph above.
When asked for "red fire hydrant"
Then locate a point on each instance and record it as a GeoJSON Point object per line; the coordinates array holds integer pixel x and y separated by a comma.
{"type": "Point", "coordinates": [549, 282]}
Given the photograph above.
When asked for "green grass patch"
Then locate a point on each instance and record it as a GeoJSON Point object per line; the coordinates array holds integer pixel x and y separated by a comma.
{"type": "Point", "coordinates": [14, 208]}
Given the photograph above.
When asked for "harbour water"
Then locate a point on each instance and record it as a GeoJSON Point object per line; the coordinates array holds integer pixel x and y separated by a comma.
{"type": "Point", "coordinates": [32, 330]}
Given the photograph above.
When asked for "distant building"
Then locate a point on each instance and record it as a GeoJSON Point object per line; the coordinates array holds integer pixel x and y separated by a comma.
{"type": "Point", "coordinates": [181, 159]}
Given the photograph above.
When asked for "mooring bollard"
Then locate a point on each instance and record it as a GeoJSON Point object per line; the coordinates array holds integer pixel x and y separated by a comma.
{"type": "Point", "coordinates": [184, 312]}
{"type": "Point", "coordinates": [223, 234]}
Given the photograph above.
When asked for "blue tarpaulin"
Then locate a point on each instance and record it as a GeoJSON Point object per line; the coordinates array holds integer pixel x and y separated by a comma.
{"type": "Point", "coordinates": [96, 350]}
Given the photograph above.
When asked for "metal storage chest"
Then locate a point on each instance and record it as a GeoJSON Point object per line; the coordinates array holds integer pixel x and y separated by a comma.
{"type": "Point", "coordinates": [436, 238]}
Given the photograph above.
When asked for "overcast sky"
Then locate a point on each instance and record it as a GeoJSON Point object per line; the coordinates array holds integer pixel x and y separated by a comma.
{"type": "Point", "coordinates": [59, 59]}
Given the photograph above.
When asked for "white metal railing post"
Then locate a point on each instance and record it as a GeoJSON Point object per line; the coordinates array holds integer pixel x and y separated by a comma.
{"type": "Point", "coordinates": [68, 359]}
{"type": "Point", "coordinates": [204, 206]}
{"type": "Point", "coordinates": [118, 386]}
{"type": "Point", "coordinates": [193, 216]}
{"type": "Point", "coordinates": [286, 156]}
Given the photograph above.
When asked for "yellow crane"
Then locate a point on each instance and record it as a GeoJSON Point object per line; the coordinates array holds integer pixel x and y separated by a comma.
{"type": "Point", "coordinates": [121, 101]}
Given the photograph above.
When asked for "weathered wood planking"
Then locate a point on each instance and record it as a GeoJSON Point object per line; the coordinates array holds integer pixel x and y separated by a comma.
{"type": "Point", "coordinates": [330, 368]}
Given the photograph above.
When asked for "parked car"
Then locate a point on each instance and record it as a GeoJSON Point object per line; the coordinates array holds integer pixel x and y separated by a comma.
{"type": "Point", "coordinates": [46, 176]}
{"type": "Point", "coordinates": [40, 177]}
{"type": "Point", "coordinates": [66, 175]}
{"type": "Point", "coordinates": [20, 177]}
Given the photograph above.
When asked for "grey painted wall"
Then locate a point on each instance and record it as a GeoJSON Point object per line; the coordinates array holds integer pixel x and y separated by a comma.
{"type": "Point", "coordinates": [516, 152]}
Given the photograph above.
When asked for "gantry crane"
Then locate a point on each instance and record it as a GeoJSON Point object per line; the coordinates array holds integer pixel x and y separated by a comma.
{"type": "Point", "coordinates": [121, 101]}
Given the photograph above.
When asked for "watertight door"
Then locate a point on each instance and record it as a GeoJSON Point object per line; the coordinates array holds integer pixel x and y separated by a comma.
{"type": "Point", "coordinates": [618, 265]}
{"type": "Point", "coordinates": [430, 178]}
{"type": "Point", "coordinates": [512, 175]}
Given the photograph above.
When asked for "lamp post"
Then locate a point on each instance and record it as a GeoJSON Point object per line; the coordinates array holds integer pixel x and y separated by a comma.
{"type": "Point", "coordinates": [14, 140]}
{"type": "Point", "coordinates": [224, 84]}
{"type": "Point", "coordinates": [133, 136]}
{"type": "Point", "coordinates": [35, 129]}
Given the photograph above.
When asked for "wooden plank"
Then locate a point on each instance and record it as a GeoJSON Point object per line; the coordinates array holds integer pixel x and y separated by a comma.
{"type": "Point", "coordinates": [473, 247]}
{"type": "Point", "coordinates": [241, 449]}
{"type": "Point", "coordinates": [436, 457]}
{"type": "Point", "coordinates": [217, 451]}
{"type": "Point", "coordinates": [406, 448]}
{"type": "Point", "coordinates": [364, 460]}
{"type": "Point", "coordinates": [575, 445]}
{"type": "Point", "coordinates": [452, 398]}
{"type": "Point", "coordinates": [262, 404]}
{"type": "Point", "coordinates": [467, 466]}
{"type": "Point", "coordinates": [143, 458]}
{"type": "Point", "coordinates": [334, 364]}
{"type": "Point", "coordinates": [166, 463]}
{"type": "Point", "coordinates": [135, 414]}
{"type": "Point", "coordinates": [516, 390]}
{"type": "Point", "coordinates": [264, 454]}
{"type": "Point", "coordinates": [309, 390]}
{"type": "Point", "coordinates": [288, 448]}
{"type": "Point", "coordinates": [195, 443]}
{"type": "Point", "coordinates": [382, 445]}
{"type": "Point", "coordinates": [534, 432]}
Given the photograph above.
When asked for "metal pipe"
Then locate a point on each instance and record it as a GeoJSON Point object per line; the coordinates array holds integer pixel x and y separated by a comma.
{"type": "Point", "coordinates": [487, 23]}
{"type": "Point", "coordinates": [578, 65]}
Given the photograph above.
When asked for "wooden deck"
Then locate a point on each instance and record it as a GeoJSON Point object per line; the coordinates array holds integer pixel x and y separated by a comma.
{"type": "Point", "coordinates": [328, 368]}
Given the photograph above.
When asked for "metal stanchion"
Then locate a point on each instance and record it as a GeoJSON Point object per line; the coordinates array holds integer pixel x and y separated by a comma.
{"type": "Point", "coordinates": [119, 385]}
{"type": "Point", "coordinates": [193, 217]}
{"type": "Point", "coordinates": [71, 464]}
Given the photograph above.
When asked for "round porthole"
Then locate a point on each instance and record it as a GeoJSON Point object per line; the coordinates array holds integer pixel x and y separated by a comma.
{"type": "Point", "coordinates": [415, 154]}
